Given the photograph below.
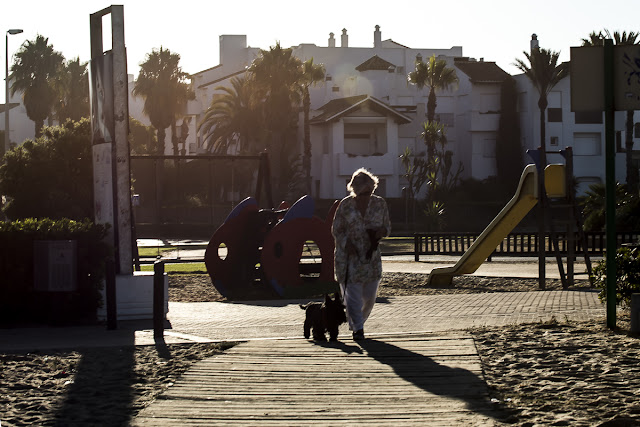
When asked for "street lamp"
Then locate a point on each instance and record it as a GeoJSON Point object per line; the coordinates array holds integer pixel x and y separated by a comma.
{"type": "Point", "coordinates": [5, 143]}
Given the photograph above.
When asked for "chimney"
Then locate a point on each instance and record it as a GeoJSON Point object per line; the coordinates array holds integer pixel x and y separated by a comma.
{"type": "Point", "coordinates": [332, 41]}
{"type": "Point", "coordinates": [345, 38]}
{"type": "Point", "coordinates": [377, 37]}
{"type": "Point", "coordinates": [534, 42]}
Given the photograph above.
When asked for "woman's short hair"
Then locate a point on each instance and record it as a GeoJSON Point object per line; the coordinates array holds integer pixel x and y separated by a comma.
{"type": "Point", "coordinates": [362, 180]}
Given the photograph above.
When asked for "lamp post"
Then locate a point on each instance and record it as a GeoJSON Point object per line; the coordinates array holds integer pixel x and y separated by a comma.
{"type": "Point", "coordinates": [5, 143]}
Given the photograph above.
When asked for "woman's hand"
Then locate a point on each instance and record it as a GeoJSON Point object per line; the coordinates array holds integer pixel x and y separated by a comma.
{"type": "Point", "coordinates": [381, 232]}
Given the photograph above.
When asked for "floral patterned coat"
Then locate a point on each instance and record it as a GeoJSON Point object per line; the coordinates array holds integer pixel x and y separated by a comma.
{"type": "Point", "coordinates": [348, 223]}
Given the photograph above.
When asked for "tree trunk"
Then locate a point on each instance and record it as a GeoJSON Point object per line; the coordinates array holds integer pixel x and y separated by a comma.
{"type": "Point", "coordinates": [632, 171]}
{"type": "Point", "coordinates": [306, 159]}
{"type": "Point", "coordinates": [431, 105]}
{"type": "Point", "coordinates": [161, 137]}
{"type": "Point", "coordinates": [174, 139]}
{"type": "Point", "coordinates": [39, 124]}
{"type": "Point", "coordinates": [160, 177]}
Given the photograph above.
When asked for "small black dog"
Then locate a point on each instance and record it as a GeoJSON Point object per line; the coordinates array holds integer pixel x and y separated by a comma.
{"type": "Point", "coordinates": [322, 317]}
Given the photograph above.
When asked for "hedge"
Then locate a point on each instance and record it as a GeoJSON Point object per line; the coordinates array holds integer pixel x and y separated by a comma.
{"type": "Point", "coordinates": [20, 303]}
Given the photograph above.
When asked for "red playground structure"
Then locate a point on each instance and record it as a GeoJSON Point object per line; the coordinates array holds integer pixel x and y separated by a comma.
{"type": "Point", "coordinates": [264, 247]}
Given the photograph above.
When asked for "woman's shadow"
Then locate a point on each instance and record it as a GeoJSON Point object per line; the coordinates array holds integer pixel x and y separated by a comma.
{"type": "Point", "coordinates": [432, 377]}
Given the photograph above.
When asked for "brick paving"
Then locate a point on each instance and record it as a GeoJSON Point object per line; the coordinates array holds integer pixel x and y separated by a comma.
{"type": "Point", "coordinates": [412, 314]}
{"type": "Point", "coordinates": [219, 321]}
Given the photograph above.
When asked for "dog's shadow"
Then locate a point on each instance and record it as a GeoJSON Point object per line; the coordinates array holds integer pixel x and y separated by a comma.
{"type": "Point", "coordinates": [349, 349]}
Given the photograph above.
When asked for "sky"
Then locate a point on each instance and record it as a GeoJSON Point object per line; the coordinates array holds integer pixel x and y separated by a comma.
{"type": "Point", "coordinates": [496, 30]}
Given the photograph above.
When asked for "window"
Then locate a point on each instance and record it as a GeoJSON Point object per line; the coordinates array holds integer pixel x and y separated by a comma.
{"type": "Point", "coordinates": [365, 139]}
{"type": "Point", "coordinates": [489, 103]}
{"type": "Point", "coordinates": [335, 89]}
{"type": "Point", "coordinates": [587, 144]}
{"type": "Point", "coordinates": [636, 130]}
{"type": "Point", "coordinates": [554, 141]}
{"type": "Point", "coordinates": [588, 117]}
{"type": "Point", "coordinates": [554, 115]}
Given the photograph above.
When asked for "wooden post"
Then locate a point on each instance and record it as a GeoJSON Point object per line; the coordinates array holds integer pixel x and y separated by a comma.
{"type": "Point", "coordinates": [542, 239]}
{"type": "Point", "coordinates": [610, 183]}
{"type": "Point", "coordinates": [158, 299]}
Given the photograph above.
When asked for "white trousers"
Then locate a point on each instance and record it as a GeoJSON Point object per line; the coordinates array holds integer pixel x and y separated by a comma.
{"type": "Point", "coordinates": [359, 299]}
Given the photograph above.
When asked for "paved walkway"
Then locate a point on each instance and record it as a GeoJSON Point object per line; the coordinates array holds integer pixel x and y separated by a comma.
{"type": "Point", "coordinates": [219, 321]}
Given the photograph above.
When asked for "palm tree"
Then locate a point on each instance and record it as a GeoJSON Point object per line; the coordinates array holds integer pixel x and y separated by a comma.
{"type": "Point", "coordinates": [163, 85]}
{"type": "Point", "coordinates": [278, 73]}
{"type": "Point", "coordinates": [544, 73]}
{"type": "Point", "coordinates": [436, 75]}
{"type": "Point", "coordinates": [34, 72]}
{"type": "Point", "coordinates": [234, 115]}
{"type": "Point", "coordinates": [624, 38]}
{"type": "Point", "coordinates": [312, 74]}
{"type": "Point", "coordinates": [73, 99]}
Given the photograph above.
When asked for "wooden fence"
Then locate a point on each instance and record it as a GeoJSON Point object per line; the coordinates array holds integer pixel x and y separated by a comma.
{"type": "Point", "coordinates": [515, 244]}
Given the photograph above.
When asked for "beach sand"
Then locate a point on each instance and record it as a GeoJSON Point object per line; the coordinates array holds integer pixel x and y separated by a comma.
{"type": "Point", "coordinates": [553, 373]}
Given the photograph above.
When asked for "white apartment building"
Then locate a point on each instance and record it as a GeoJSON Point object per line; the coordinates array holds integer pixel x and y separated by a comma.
{"type": "Point", "coordinates": [365, 112]}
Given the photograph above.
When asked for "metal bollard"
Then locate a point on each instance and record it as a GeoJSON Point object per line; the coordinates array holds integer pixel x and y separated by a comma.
{"type": "Point", "coordinates": [635, 313]}
{"type": "Point", "coordinates": [158, 299]}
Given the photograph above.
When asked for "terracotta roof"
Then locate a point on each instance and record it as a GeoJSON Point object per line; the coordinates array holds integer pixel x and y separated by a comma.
{"type": "Point", "coordinates": [375, 63]}
{"type": "Point", "coordinates": [482, 72]}
{"type": "Point", "coordinates": [337, 108]}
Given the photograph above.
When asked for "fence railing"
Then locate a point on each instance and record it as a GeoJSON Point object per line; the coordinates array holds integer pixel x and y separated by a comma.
{"type": "Point", "coordinates": [514, 244]}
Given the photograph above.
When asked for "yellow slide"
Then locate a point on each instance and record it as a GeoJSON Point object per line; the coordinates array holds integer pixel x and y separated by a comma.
{"type": "Point", "coordinates": [520, 204]}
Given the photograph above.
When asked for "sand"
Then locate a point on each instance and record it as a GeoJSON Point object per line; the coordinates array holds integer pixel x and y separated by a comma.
{"type": "Point", "coordinates": [554, 373]}
{"type": "Point", "coordinates": [90, 387]}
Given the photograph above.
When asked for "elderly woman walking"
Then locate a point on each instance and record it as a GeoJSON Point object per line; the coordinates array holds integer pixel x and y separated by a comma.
{"type": "Point", "coordinates": [361, 220]}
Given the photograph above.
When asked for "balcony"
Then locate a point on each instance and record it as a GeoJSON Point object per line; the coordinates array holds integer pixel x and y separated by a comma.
{"type": "Point", "coordinates": [378, 165]}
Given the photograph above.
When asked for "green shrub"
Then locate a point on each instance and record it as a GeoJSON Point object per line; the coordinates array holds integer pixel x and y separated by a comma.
{"type": "Point", "coordinates": [19, 302]}
{"type": "Point", "coordinates": [51, 177]}
{"type": "Point", "coordinates": [593, 208]}
{"type": "Point", "coordinates": [627, 275]}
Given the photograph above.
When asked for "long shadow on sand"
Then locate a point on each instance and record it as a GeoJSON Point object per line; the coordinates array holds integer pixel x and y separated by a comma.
{"type": "Point", "coordinates": [103, 389]}
{"type": "Point", "coordinates": [101, 392]}
{"type": "Point", "coordinates": [432, 377]}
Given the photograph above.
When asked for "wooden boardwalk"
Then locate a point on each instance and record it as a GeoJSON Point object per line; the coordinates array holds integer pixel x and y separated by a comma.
{"type": "Point", "coordinates": [385, 380]}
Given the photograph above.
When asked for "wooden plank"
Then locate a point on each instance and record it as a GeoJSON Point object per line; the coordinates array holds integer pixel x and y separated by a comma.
{"type": "Point", "coordinates": [426, 379]}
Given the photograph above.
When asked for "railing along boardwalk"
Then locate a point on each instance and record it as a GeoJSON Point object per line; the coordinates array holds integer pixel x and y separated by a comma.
{"type": "Point", "coordinates": [515, 244]}
{"type": "Point", "coordinates": [422, 379]}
